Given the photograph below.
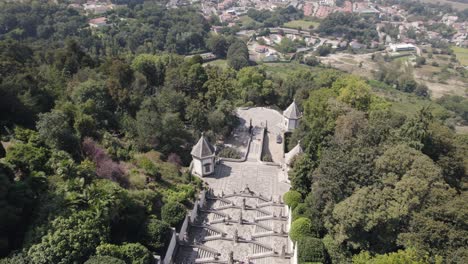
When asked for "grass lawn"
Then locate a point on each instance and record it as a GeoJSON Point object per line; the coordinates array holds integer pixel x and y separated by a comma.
{"type": "Point", "coordinates": [462, 55]}
{"type": "Point", "coordinates": [283, 69]}
{"type": "Point", "coordinates": [407, 104]}
{"type": "Point", "coordinates": [304, 24]}
{"type": "Point", "coordinates": [349, 60]}
{"type": "Point", "coordinates": [219, 62]}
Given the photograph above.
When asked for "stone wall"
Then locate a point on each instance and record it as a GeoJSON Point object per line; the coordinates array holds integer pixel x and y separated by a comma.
{"type": "Point", "coordinates": [177, 238]}
{"type": "Point", "coordinates": [169, 258]}
{"type": "Point", "coordinates": [183, 229]}
{"type": "Point", "coordinates": [294, 259]}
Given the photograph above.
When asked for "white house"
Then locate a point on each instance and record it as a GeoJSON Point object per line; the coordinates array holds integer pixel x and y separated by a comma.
{"type": "Point", "coordinates": [291, 117]}
{"type": "Point", "coordinates": [402, 47]}
{"type": "Point", "coordinates": [203, 154]}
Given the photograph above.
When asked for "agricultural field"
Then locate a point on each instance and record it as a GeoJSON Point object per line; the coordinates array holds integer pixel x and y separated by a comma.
{"type": "Point", "coordinates": [462, 55]}
{"type": "Point", "coordinates": [303, 24]}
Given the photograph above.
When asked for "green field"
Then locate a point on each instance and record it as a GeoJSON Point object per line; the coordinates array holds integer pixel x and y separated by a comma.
{"type": "Point", "coordinates": [304, 24]}
{"type": "Point", "coordinates": [462, 55]}
{"type": "Point", "coordinates": [283, 69]}
{"type": "Point", "coordinates": [219, 62]}
{"type": "Point", "coordinates": [405, 103]}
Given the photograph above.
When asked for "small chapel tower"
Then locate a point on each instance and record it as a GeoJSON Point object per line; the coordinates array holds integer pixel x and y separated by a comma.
{"type": "Point", "coordinates": [291, 117]}
{"type": "Point", "coordinates": [203, 155]}
{"type": "Point", "coordinates": [288, 157]}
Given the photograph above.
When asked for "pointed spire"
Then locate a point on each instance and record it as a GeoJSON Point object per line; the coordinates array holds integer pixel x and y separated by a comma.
{"type": "Point", "coordinates": [203, 148]}
{"type": "Point", "coordinates": [288, 157]}
{"type": "Point", "coordinates": [292, 112]}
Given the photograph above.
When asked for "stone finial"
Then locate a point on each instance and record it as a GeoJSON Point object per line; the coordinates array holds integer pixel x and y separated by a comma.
{"type": "Point", "coordinates": [249, 236]}
{"type": "Point", "coordinates": [230, 258]}
{"type": "Point", "coordinates": [243, 204]}
{"type": "Point", "coordinates": [222, 193]}
{"type": "Point", "coordinates": [283, 251]}
{"type": "Point", "coordinates": [235, 236]}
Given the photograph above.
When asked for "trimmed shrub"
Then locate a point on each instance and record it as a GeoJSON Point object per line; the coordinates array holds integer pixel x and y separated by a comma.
{"type": "Point", "coordinates": [104, 260]}
{"type": "Point", "coordinates": [230, 153]}
{"type": "Point", "coordinates": [173, 213]}
{"type": "Point", "coordinates": [310, 249]}
{"type": "Point", "coordinates": [301, 227]}
{"type": "Point", "coordinates": [292, 198]}
{"type": "Point", "coordinates": [301, 210]}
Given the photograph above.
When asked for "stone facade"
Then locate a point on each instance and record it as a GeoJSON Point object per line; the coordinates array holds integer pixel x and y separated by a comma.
{"type": "Point", "coordinates": [203, 155]}
{"type": "Point", "coordinates": [291, 117]}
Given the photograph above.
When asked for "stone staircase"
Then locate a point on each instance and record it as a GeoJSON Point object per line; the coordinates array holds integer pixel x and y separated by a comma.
{"type": "Point", "coordinates": [234, 228]}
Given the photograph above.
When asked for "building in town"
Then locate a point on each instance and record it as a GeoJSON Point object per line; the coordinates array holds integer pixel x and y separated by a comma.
{"type": "Point", "coordinates": [402, 47]}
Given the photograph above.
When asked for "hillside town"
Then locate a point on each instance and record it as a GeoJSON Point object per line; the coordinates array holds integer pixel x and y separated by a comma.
{"type": "Point", "coordinates": [397, 29]}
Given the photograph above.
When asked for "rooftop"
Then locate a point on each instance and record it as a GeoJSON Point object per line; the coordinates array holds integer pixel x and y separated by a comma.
{"type": "Point", "coordinates": [292, 112]}
{"type": "Point", "coordinates": [203, 148]}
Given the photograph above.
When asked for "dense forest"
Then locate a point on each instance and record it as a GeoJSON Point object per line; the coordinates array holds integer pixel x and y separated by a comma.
{"type": "Point", "coordinates": [97, 126]}
{"type": "Point", "coordinates": [373, 181]}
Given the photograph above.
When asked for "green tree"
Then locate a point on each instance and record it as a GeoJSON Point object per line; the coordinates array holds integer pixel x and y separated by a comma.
{"type": "Point", "coordinates": [218, 45]}
{"type": "Point", "coordinates": [148, 124]}
{"type": "Point", "coordinates": [156, 234]}
{"type": "Point", "coordinates": [55, 131]}
{"type": "Point", "coordinates": [292, 198]}
{"type": "Point", "coordinates": [104, 260]}
{"type": "Point", "coordinates": [152, 67]}
{"type": "Point", "coordinates": [301, 228]}
{"type": "Point", "coordinates": [27, 158]}
{"type": "Point", "coordinates": [238, 55]}
{"type": "Point", "coordinates": [400, 257]}
{"type": "Point", "coordinates": [310, 249]}
{"type": "Point", "coordinates": [353, 91]}
{"type": "Point", "coordinates": [70, 239]}
{"type": "Point", "coordinates": [173, 213]}
{"type": "Point", "coordinates": [367, 212]}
